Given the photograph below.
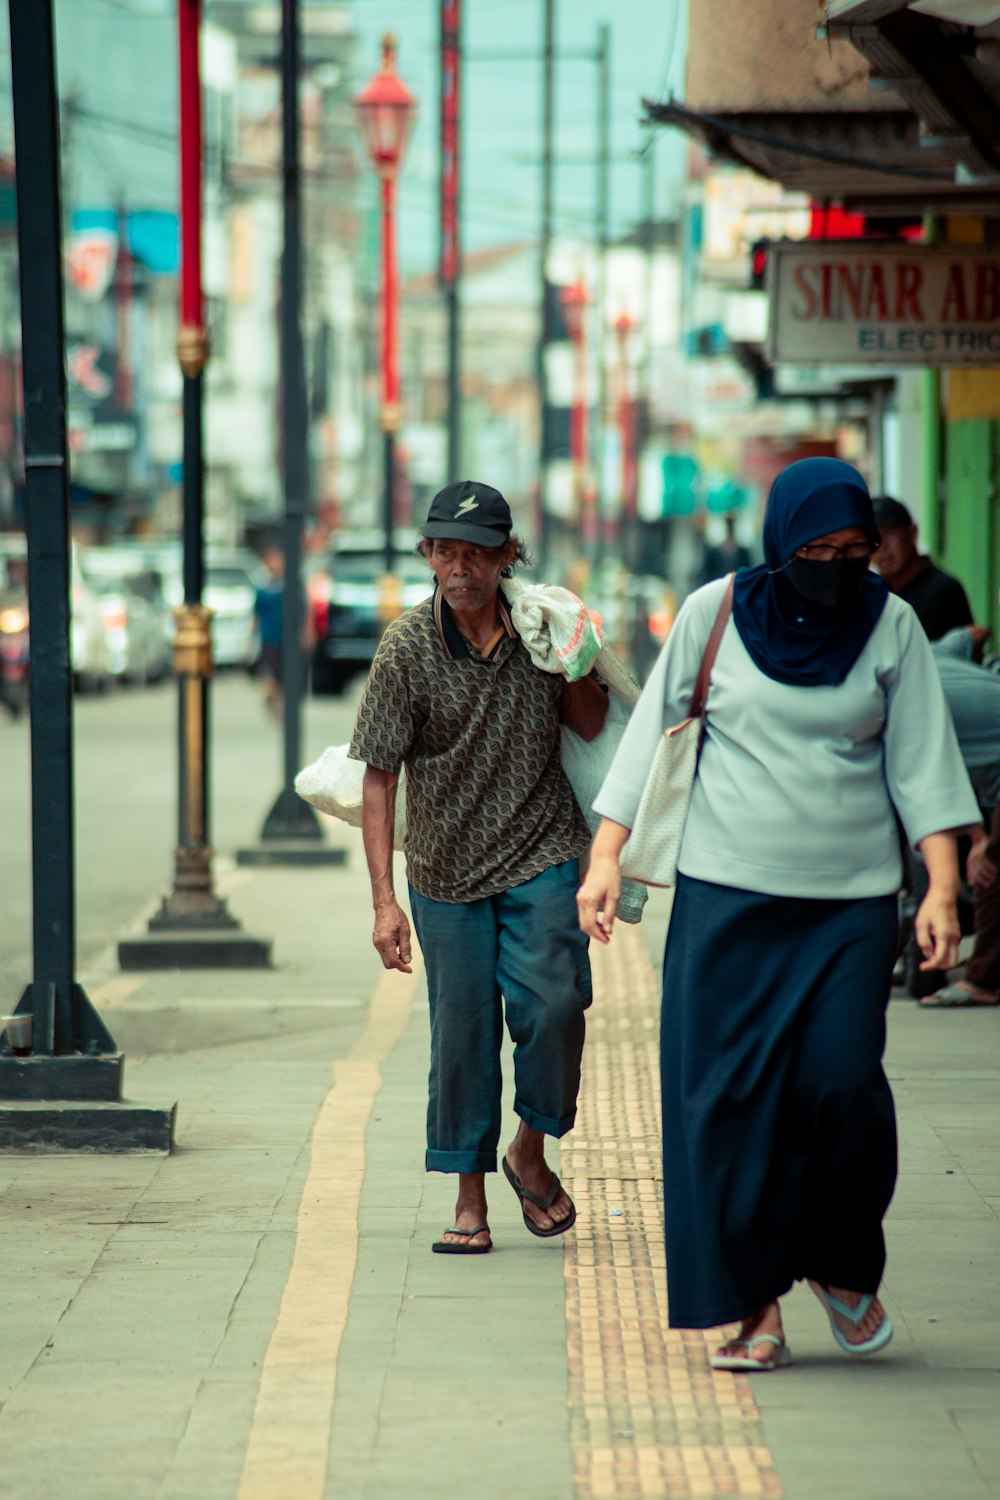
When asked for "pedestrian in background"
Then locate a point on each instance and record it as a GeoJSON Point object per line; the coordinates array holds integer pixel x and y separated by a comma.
{"type": "Point", "coordinates": [268, 609]}
{"type": "Point", "coordinates": [269, 613]}
{"type": "Point", "coordinates": [825, 718]}
{"type": "Point", "coordinates": [973, 696]}
{"type": "Point", "coordinates": [937, 597]}
{"type": "Point", "coordinates": [493, 840]}
{"type": "Point", "coordinates": [725, 557]}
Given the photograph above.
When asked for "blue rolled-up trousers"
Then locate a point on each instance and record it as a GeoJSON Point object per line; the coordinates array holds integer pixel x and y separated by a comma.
{"type": "Point", "coordinates": [522, 953]}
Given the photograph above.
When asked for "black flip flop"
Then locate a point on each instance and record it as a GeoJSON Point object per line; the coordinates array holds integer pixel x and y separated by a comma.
{"type": "Point", "coordinates": [543, 1203]}
{"type": "Point", "coordinates": [439, 1247]}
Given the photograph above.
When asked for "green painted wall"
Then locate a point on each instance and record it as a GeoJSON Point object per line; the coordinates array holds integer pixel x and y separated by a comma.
{"type": "Point", "coordinates": [970, 520]}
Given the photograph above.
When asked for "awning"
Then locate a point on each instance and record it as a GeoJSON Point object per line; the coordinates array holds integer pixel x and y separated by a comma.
{"type": "Point", "coordinates": [943, 58]}
{"type": "Point", "coordinates": [879, 163]}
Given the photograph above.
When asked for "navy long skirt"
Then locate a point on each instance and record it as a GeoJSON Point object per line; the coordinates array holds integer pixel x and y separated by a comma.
{"type": "Point", "coordinates": [779, 1133]}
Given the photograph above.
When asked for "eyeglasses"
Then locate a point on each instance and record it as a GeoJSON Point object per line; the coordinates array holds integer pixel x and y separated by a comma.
{"type": "Point", "coordinates": [822, 552]}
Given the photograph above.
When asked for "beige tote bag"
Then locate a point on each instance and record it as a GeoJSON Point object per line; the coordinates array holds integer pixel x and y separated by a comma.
{"type": "Point", "coordinates": [653, 846]}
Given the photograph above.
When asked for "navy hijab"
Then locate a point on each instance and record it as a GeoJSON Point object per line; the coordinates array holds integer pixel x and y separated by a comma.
{"type": "Point", "coordinates": [790, 639]}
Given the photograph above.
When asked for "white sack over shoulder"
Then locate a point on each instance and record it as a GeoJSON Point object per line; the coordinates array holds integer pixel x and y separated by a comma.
{"type": "Point", "coordinates": [334, 784]}
{"type": "Point", "coordinates": [560, 636]}
{"type": "Point", "coordinates": [555, 626]}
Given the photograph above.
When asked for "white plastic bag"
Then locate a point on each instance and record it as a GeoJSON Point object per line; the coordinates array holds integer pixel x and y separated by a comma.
{"type": "Point", "coordinates": [555, 626]}
{"type": "Point", "coordinates": [334, 784]}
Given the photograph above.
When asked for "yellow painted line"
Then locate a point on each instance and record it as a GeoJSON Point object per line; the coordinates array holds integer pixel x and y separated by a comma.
{"type": "Point", "coordinates": [288, 1451]}
{"type": "Point", "coordinates": [113, 993]}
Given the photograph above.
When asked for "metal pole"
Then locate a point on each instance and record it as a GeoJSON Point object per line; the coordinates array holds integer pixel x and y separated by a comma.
{"type": "Point", "coordinates": [290, 817]}
{"type": "Point", "coordinates": [63, 1021]}
{"type": "Point", "coordinates": [291, 833]}
{"type": "Point", "coordinates": [548, 185]}
{"type": "Point", "coordinates": [603, 57]}
{"type": "Point", "coordinates": [451, 228]}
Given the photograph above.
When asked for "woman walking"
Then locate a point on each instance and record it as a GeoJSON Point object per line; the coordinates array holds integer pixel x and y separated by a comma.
{"type": "Point", "coordinates": [825, 721]}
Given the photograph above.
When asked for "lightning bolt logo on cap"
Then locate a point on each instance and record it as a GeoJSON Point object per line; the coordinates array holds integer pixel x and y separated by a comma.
{"type": "Point", "coordinates": [471, 504]}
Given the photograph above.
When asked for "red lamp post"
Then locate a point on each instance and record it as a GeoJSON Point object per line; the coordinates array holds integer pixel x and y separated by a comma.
{"type": "Point", "coordinates": [193, 927]}
{"type": "Point", "coordinates": [624, 327]}
{"type": "Point", "coordinates": [385, 111]}
{"type": "Point", "coordinates": [575, 302]}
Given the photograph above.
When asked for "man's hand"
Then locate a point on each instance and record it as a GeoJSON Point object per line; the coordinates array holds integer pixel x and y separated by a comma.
{"type": "Point", "coordinates": [583, 706]}
{"type": "Point", "coordinates": [392, 937]}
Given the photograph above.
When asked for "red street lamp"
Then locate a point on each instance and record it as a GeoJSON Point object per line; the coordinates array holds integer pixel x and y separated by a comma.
{"type": "Point", "coordinates": [385, 112]}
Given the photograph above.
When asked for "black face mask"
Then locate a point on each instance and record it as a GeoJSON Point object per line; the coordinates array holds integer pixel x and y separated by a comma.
{"type": "Point", "coordinates": [831, 585]}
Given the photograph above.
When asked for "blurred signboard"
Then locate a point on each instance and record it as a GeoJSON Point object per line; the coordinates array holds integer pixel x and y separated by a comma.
{"type": "Point", "coordinates": [740, 208]}
{"type": "Point", "coordinates": [886, 303]}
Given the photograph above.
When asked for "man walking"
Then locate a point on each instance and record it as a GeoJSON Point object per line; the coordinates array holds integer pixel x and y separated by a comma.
{"type": "Point", "coordinates": [938, 599]}
{"type": "Point", "coordinates": [494, 836]}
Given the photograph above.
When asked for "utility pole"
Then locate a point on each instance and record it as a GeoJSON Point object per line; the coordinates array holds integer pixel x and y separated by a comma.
{"type": "Point", "coordinates": [450, 263]}
{"type": "Point", "coordinates": [548, 191]}
{"type": "Point", "coordinates": [603, 203]}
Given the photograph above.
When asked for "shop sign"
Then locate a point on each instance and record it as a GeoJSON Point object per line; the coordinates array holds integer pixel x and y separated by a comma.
{"type": "Point", "coordinates": [888, 304]}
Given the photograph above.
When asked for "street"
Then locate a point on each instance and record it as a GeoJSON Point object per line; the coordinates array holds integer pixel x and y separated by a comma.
{"type": "Point", "coordinates": [126, 798]}
{"type": "Point", "coordinates": [258, 1316]}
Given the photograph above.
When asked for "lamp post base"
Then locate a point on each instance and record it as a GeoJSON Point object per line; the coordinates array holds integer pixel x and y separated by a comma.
{"type": "Point", "coordinates": [73, 1103]}
{"type": "Point", "coordinates": [100, 1127]}
{"type": "Point", "coordinates": [291, 835]}
{"type": "Point", "coordinates": [191, 949]}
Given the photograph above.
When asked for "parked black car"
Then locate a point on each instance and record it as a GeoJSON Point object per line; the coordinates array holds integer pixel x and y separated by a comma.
{"type": "Point", "coordinates": [352, 599]}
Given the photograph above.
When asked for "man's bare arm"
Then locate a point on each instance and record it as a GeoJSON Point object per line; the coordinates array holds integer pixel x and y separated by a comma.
{"type": "Point", "coordinates": [392, 930]}
{"type": "Point", "coordinates": [583, 706]}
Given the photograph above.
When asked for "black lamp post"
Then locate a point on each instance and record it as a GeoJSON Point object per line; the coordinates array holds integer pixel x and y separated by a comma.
{"type": "Point", "coordinates": [60, 1070]}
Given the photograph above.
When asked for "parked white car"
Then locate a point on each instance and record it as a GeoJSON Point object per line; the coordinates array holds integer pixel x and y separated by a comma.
{"type": "Point", "coordinates": [133, 612]}
{"type": "Point", "coordinates": [88, 643]}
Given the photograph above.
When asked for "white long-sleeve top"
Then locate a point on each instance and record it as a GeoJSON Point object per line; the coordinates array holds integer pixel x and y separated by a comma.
{"type": "Point", "coordinates": [796, 786]}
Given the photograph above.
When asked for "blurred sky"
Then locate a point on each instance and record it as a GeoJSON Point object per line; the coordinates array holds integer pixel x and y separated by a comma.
{"type": "Point", "coordinates": [117, 59]}
{"type": "Point", "coordinates": [503, 111]}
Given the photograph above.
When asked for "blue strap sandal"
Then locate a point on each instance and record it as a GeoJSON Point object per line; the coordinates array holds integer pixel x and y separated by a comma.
{"type": "Point", "coordinates": [856, 1316]}
{"type": "Point", "coordinates": [782, 1354]}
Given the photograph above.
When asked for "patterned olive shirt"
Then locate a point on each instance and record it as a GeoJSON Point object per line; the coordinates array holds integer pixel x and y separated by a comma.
{"type": "Point", "coordinates": [487, 804]}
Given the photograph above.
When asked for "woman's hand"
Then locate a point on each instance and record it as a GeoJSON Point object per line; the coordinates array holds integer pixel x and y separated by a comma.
{"type": "Point", "coordinates": [937, 931]}
{"type": "Point", "coordinates": [598, 897]}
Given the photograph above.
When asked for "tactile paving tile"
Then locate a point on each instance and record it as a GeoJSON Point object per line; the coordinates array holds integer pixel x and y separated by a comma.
{"type": "Point", "coordinates": [648, 1417]}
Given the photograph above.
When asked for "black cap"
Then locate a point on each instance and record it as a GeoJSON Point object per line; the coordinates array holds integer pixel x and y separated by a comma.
{"type": "Point", "coordinates": [469, 512]}
{"type": "Point", "coordinates": [890, 512]}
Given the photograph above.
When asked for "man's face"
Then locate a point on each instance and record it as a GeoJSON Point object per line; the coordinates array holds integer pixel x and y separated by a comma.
{"type": "Point", "coordinates": [897, 550]}
{"type": "Point", "coordinates": [467, 575]}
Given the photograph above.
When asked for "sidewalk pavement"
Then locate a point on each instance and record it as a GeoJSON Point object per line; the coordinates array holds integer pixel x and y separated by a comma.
{"type": "Point", "coordinates": [259, 1317]}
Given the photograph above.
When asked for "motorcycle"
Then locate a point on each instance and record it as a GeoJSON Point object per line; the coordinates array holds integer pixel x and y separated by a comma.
{"type": "Point", "coordinates": [14, 655]}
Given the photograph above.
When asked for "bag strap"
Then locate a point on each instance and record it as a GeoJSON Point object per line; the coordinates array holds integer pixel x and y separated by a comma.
{"type": "Point", "coordinates": [699, 698]}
